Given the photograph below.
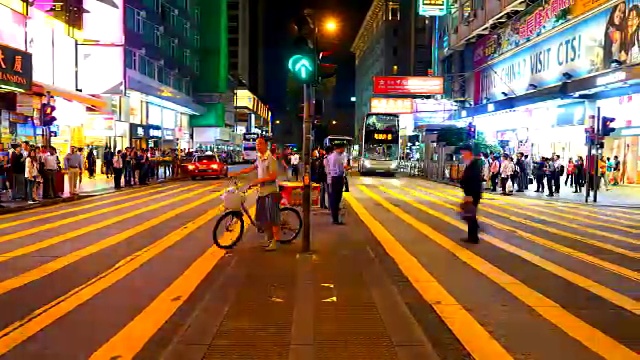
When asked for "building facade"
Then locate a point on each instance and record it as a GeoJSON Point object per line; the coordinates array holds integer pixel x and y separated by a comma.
{"type": "Point", "coordinates": [393, 40]}
{"type": "Point", "coordinates": [41, 60]}
{"type": "Point", "coordinates": [539, 81]}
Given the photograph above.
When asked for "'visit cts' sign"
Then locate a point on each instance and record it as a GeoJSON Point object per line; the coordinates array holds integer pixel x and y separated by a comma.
{"type": "Point", "coordinates": [15, 69]}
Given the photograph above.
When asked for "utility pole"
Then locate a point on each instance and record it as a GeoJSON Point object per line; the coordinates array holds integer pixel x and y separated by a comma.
{"type": "Point", "coordinates": [596, 167]}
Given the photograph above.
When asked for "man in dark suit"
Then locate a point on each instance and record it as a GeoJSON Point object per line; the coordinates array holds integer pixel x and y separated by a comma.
{"type": "Point", "coordinates": [471, 183]}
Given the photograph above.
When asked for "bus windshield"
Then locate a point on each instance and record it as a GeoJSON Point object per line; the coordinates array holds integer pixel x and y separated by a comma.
{"type": "Point", "coordinates": [380, 152]}
{"type": "Point", "coordinates": [381, 137]}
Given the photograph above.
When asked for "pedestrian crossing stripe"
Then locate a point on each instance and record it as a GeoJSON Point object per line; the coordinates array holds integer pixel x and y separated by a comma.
{"type": "Point", "coordinates": [591, 337]}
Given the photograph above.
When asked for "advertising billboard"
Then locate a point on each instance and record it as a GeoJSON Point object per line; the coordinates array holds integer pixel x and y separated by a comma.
{"type": "Point", "coordinates": [391, 106]}
{"type": "Point", "coordinates": [13, 25]}
{"type": "Point", "coordinates": [408, 85]}
{"type": "Point", "coordinates": [584, 48]}
{"type": "Point", "coordinates": [101, 56]}
{"type": "Point", "coordinates": [536, 20]}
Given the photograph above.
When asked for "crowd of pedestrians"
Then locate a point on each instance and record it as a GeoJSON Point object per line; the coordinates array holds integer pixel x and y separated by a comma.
{"type": "Point", "coordinates": [507, 175]}
{"type": "Point", "coordinates": [32, 173]}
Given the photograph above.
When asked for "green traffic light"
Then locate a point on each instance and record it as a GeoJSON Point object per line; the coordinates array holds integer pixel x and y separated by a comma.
{"type": "Point", "coordinates": [302, 67]}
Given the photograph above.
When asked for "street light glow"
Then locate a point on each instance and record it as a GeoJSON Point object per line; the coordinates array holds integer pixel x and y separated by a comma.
{"type": "Point", "coordinates": [331, 25]}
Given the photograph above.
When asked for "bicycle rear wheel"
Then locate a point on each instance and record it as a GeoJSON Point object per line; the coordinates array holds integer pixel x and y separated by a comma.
{"type": "Point", "coordinates": [230, 226]}
{"type": "Point", "coordinates": [290, 224]}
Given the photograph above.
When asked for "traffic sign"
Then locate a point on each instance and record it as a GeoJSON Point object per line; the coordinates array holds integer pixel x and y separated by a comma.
{"type": "Point", "coordinates": [302, 67]}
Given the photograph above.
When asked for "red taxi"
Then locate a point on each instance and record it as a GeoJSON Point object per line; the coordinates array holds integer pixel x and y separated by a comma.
{"type": "Point", "coordinates": [205, 166]}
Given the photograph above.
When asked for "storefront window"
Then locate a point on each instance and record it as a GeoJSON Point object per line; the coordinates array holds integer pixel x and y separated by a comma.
{"type": "Point", "coordinates": [135, 109]}
{"type": "Point", "coordinates": [168, 119]}
{"type": "Point", "coordinates": [625, 141]}
{"type": "Point", "coordinates": [154, 114]}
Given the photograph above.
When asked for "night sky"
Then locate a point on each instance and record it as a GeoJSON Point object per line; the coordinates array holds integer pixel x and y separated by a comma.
{"type": "Point", "coordinates": [278, 42]}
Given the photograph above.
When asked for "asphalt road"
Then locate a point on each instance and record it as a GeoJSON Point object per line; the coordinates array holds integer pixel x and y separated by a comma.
{"type": "Point", "coordinates": [548, 280]}
{"type": "Point", "coordinates": [73, 275]}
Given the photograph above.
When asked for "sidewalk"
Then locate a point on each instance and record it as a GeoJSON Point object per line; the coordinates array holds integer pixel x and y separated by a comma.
{"type": "Point", "coordinates": [620, 196]}
{"type": "Point", "coordinates": [89, 187]}
{"type": "Point", "coordinates": [334, 304]}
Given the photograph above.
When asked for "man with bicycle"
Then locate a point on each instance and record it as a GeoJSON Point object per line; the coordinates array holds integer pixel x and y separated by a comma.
{"type": "Point", "coordinates": [267, 215]}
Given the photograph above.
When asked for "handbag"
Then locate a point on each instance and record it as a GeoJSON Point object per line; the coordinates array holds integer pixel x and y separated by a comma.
{"type": "Point", "coordinates": [509, 186]}
{"type": "Point", "coordinates": [467, 210]}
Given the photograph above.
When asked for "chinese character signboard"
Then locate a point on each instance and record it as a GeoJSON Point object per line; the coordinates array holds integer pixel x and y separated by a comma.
{"type": "Point", "coordinates": [432, 7]}
{"type": "Point", "coordinates": [15, 69]}
{"type": "Point", "coordinates": [391, 106]}
{"type": "Point", "coordinates": [584, 48]}
{"type": "Point", "coordinates": [408, 85]}
{"type": "Point", "coordinates": [533, 22]}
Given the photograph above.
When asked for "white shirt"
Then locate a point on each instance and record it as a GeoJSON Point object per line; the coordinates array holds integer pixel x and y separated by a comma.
{"type": "Point", "coordinates": [295, 159]}
{"type": "Point", "coordinates": [50, 162]}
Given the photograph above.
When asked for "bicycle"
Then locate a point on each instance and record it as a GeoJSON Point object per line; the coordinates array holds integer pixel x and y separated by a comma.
{"type": "Point", "coordinates": [235, 210]}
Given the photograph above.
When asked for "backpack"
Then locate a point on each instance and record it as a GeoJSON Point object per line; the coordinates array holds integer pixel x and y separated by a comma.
{"type": "Point", "coordinates": [561, 170]}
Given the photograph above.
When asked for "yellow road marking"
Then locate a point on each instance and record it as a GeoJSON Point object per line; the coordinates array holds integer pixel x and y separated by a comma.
{"type": "Point", "coordinates": [112, 220]}
{"type": "Point", "coordinates": [82, 201]}
{"type": "Point", "coordinates": [78, 217]}
{"type": "Point", "coordinates": [130, 340]}
{"type": "Point", "coordinates": [585, 283]}
{"type": "Point", "coordinates": [554, 313]}
{"type": "Point", "coordinates": [568, 216]}
{"type": "Point", "coordinates": [480, 344]}
{"type": "Point", "coordinates": [76, 208]}
{"type": "Point", "coordinates": [59, 263]}
{"type": "Point", "coordinates": [550, 229]}
{"type": "Point", "coordinates": [21, 330]}
{"type": "Point", "coordinates": [580, 226]}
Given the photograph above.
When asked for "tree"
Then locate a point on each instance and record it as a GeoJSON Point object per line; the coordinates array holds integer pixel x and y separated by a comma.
{"type": "Point", "coordinates": [481, 145]}
{"type": "Point", "coordinates": [455, 136]}
{"type": "Point", "coordinates": [452, 136]}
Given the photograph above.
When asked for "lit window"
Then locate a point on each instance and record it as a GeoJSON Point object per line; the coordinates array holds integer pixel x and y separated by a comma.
{"type": "Point", "coordinates": [394, 70]}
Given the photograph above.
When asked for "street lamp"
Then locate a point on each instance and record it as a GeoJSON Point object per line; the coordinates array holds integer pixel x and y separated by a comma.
{"type": "Point", "coordinates": [334, 122]}
{"type": "Point", "coordinates": [331, 25]}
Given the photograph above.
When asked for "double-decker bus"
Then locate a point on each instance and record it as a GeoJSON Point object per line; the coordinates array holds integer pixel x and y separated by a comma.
{"type": "Point", "coordinates": [333, 140]}
{"type": "Point", "coordinates": [380, 144]}
{"type": "Point", "coordinates": [249, 151]}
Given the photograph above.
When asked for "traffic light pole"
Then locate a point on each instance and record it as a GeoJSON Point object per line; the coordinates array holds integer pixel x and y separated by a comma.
{"type": "Point", "coordinates": [306, 178]}
{"type": "Point", "coordinates": [596, 169]}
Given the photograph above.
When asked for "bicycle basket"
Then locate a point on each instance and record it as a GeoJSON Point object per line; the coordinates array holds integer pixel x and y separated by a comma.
{"type": "Point", "coordinates": [233, 199]}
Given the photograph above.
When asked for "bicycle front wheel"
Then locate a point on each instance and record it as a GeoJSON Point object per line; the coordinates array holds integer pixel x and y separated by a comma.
{"type": "Point", "coordinates": [228, 230]}
{"type": "Point", "coordinates": [290, 224]}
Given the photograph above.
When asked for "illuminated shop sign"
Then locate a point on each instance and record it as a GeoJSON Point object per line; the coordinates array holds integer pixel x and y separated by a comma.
{"type": "Point", "coordinates": [408, 85]}
{"type": "Point", "coordinates": [611, 78]}
{"type": "Point", "coordinates": [155, 133]}
{"type": "Point", "coordinates": [15, 68]}
{"type": "Point", "coordinates": [391, 106]}
{"type": "Point", "coordinates": [572, 53]}
{"type": "Point", "coordinates": [138, 131]}
{"type": "Point", "coordinates": [432, 7]}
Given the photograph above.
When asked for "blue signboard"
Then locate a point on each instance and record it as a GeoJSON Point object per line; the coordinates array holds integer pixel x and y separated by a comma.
{"type": "Point", "coordinates": [579, 50]}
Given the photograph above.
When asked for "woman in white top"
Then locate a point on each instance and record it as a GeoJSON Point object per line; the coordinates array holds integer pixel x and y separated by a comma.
{"type": "Point", "coordinates": [506, 170]}
{"type": "Point", "coordinates": [30, 173]}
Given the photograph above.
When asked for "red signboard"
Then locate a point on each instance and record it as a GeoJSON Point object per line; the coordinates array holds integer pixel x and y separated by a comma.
{"type": "Point", "coordinates": [408, 85]}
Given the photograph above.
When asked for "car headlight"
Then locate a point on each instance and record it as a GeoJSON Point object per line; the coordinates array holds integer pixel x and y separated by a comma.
{"type": "Point", "coordinates": [367, 163]}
